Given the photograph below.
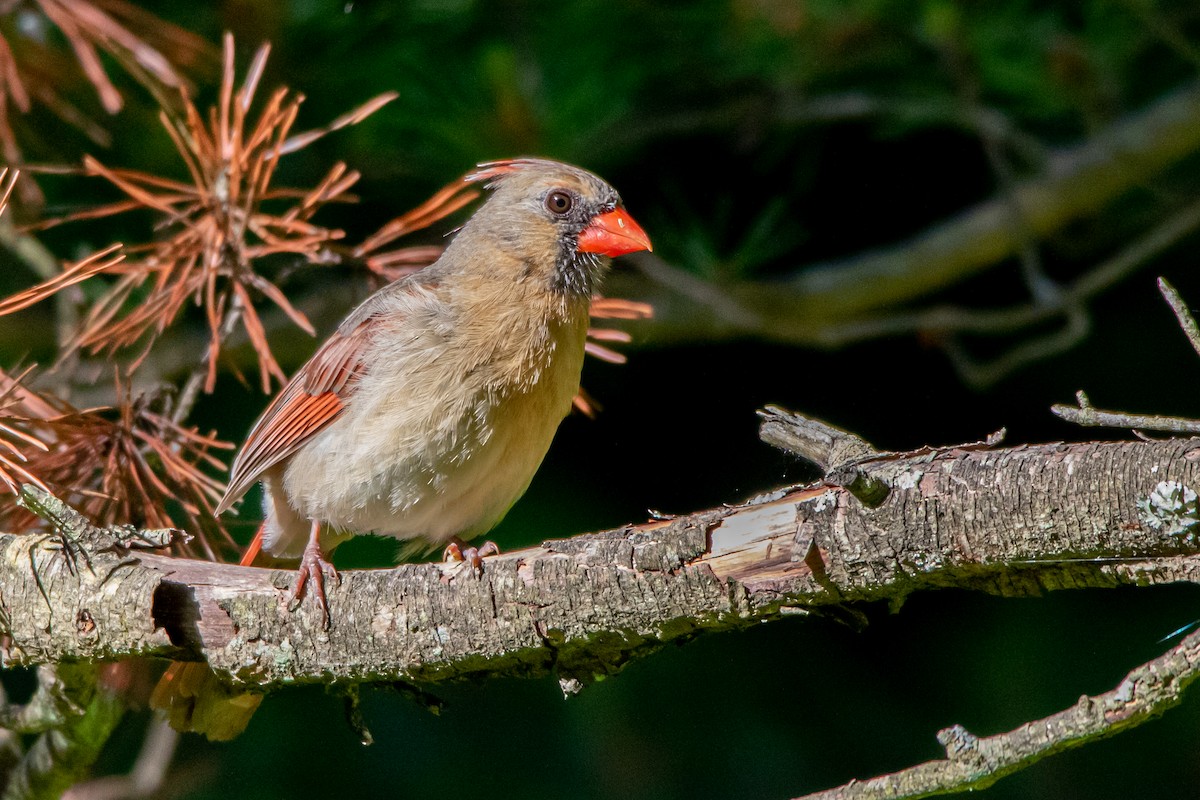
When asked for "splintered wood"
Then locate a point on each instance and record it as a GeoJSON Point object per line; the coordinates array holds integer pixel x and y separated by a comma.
{"type": "Point", "coordinates": [769, 540]}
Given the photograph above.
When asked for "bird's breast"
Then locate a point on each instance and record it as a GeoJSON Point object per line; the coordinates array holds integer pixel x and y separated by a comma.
{"type": "Point", "coordinates": [441, 439]}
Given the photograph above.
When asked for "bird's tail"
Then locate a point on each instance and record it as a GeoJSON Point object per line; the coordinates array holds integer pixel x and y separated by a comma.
{"type": "Point", "coordinates": [194, 699]}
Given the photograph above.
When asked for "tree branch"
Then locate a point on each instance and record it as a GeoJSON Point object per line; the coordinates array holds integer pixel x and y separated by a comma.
{"type": "Point", "coordinates": [985, 519]}
{"type": "Point", "coordinates": [973, 763]}
{"type": "Point", "coordinates": [968, 516]}
{"type": "Point", "coordinates": [1089, 416]}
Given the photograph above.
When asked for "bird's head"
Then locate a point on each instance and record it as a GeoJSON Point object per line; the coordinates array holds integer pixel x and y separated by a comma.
{"type": "Point", "coordinates": [560, 223]}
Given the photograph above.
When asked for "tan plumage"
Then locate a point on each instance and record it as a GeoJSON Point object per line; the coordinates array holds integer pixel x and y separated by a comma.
{"type": "Point", "coordinates": [426, 414]}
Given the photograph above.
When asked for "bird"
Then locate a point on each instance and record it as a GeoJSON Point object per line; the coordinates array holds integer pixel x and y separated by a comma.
{"type": "Point", "coordinates": [425, 415]}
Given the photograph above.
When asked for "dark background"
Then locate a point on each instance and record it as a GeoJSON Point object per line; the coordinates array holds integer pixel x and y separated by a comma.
{"type": "Point", "coordinates": [676, 104]}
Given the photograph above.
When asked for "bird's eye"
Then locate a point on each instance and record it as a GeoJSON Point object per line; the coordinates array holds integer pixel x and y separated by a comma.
{"type": "Point", "coordinates": [559, 202]}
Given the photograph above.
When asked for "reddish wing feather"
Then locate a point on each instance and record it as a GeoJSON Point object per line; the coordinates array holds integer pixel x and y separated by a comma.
{"type": "Point", "coordinates": [312, 399]}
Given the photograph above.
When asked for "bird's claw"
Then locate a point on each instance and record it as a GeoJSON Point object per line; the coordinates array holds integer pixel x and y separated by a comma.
{"type": "Point", "coordinates": [460, 551]}
{"type": "Point", "coordinates": [315, 566]}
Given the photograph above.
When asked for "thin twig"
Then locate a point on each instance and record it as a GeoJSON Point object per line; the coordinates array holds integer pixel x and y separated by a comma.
{"type": "Point", "coordinates": [1186, 320]}
{"type": "Point", "coordinates": [973, 763]}
{"type": "Point", "coordinates": [1087, 415]}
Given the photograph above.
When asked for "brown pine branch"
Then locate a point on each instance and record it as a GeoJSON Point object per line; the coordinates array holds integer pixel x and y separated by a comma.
{"type": "Point", "coordinates": [147, 47]}
{"type": "Point", "coordinates": [127, 463]}
{"type": "Point", "coordinates": [218, 226]}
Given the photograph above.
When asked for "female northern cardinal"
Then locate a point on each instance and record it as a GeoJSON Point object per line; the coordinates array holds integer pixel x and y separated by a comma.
{"type": "Point", "coordinates": [428, 411]}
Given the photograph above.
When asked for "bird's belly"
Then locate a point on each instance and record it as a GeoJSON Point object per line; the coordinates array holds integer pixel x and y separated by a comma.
{"type": "Point", "coordinates": [416, 470]}
{"type": "Point", "coordinates": [464, 490]}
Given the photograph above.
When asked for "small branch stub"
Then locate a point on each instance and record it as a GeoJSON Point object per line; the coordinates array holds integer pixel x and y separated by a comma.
{"type": "Point", "coordinates": [77, 593]}
{"type": "Point", "coordinates": [78, 530]}
{"type": "Point", "coordinates": [835, 451]}
{"type": "Point", "coordinates": [811, 439]}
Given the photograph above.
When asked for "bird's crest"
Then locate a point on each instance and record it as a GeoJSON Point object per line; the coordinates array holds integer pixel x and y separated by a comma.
{"type": "Point", "coordinates": [489, 173]}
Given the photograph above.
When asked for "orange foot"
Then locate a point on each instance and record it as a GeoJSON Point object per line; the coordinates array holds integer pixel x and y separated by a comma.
{"type": "Point", "coordinates": [314, 565]}
{"type": "Point", "coordinates": [458, 550]}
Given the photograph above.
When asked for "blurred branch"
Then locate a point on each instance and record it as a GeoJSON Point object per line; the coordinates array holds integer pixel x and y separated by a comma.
{"type": "Point", "coordinates": [816, 303]}
{"type": "Point", "coordinates": [956, 54]}
{"type": "Point", "coordinates": [998, 321]}
{"type": "Point", "coordinates": [981, 374]}
{"type": "Point", "coordinates": [146, 777]}
{"type": "Point", "coordinates": [1068, 301]}
{"type": "Point", "coordinates": [77, 715]}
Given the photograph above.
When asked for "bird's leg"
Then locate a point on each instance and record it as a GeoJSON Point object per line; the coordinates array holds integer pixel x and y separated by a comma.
{"type": "Point", "coordinates": [458, 550]}
{"type": "Point", "coordinates": [314, 565]}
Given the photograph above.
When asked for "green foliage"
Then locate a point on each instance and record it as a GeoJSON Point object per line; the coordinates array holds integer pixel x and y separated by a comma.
{"type": "Point", "coordinates": [664, 98]}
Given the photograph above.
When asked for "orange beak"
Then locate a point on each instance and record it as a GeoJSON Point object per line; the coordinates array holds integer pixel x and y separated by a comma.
{"type": "Point", "coordinates": [613, 233]}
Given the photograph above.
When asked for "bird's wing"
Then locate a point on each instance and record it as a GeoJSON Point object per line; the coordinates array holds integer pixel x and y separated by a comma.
{"type": "Point", "coordinates": [313, 398]}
